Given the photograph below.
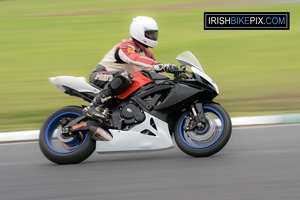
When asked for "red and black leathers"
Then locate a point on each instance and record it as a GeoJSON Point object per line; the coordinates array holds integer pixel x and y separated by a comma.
{"type": "Point", "coordinates": [120, 62]}
{"type": "Point", "coordinates": [129, 56]}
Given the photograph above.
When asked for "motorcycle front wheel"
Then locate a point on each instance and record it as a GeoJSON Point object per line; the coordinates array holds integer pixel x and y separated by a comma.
{"type": "Point", "coordinates": [208, 139]}
{"type": "Point", "coordinates": [62, 149]}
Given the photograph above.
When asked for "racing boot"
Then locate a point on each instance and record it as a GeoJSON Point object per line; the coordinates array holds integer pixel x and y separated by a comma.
{"type": "Point", "coordinates": [97, 109]}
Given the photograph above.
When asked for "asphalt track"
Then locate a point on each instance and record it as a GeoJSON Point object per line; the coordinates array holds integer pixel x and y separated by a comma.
{"type": "Point", "coordinates": [258, 163]}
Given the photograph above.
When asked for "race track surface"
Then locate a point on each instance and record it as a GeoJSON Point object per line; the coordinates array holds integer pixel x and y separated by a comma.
{"type": "Point", "coordinates": [258, 163]}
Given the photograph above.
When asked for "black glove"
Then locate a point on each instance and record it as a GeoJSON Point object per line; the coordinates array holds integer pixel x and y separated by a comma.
{"type": "Point", "coordinates": [170, 67]}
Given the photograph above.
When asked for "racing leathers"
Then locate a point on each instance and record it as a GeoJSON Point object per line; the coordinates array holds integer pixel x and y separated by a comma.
{"type": "Point", "coordinates": [129, 56]}
{"type": "Point", "coordinates": [113, 74]}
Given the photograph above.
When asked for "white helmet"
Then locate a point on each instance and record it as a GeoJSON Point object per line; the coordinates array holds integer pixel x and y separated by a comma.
{"type": "Point", "coordinates": [145, 30]}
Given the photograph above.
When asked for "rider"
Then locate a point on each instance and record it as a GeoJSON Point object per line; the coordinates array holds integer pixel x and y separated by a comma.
{"type": "Point", "coordinates": [113, 72]}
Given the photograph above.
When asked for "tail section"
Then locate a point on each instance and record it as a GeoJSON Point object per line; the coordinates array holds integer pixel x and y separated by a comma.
{"type": "Point", "coordinates": [77, 83]}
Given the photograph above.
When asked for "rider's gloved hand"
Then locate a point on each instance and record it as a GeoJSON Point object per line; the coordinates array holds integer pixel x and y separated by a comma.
{"type": "Point", "coordinates": [158, 67]}
{"type": "Point", "coordinates": [170, 67]}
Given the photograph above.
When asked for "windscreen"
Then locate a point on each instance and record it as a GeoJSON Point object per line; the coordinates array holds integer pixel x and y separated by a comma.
{"type": "Point", "coordinates": [187, 58]}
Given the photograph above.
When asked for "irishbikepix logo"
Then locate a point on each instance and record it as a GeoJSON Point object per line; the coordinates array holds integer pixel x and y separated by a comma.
{"type": "Point", "coordinates": [246, 21]}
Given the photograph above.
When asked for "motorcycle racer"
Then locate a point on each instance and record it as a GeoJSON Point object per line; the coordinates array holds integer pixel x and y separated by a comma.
{"type": "Point", "coordinates": [113, 72]}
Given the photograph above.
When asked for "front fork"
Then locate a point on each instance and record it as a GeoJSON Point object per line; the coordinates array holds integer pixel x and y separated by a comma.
{"type": "Point", "coordinates": [198, 112]}
{"type": "Point", "coordinates": [197, 118]}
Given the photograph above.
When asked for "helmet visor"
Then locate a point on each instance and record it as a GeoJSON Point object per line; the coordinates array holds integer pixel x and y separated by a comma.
{"type": "Point", "coordinates": [151, 34]}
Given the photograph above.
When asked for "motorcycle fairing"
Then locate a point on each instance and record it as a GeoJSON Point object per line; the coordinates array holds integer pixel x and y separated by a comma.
{"type": "Point", "coordinates": [169, 95]}
{"type": "Point", "coordinates": [135, 140]}
{"type": "Point", "coordinates": [206, 77]}
{"type": "Point", "coordinates": [138, 81]}
{"type": "Point", "coordinates": [77, 83]}
{"type": "Point", "coordinates": [178, 95]}
{"type": "Point", "coordinates": [187, 58]}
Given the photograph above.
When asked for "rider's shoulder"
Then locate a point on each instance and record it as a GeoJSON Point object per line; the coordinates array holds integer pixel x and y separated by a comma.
{"type": "Point", "coordinates": [127, 42]}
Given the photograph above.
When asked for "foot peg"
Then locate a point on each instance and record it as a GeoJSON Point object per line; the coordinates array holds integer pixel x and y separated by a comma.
{"type": "Point", "coordinates": [97, 113]}
{"type": "Point", "coordinates": [99, 134]}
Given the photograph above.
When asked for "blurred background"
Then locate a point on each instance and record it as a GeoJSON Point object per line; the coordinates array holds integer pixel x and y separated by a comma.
{"type": "Point", "coordinates": [257, 71]}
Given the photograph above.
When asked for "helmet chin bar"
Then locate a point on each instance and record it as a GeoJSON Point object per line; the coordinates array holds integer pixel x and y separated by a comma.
{"type": "Point", "coordinates": [138, 43]}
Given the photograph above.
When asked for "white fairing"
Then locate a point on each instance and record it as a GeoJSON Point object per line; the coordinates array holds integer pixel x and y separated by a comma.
{"type": "Point", "coordinates": [76, 83]}
{"type": "Point", "coordinates": [206, 77]}
{"type": "Point", "coordinates": [134, 140]}
{"type": "Point", "coordinates": [187, 58]}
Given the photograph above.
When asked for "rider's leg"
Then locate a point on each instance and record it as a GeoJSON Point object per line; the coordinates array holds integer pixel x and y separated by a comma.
{"type": "Point", "coordinates": [121, 80]}
{"type": "Point", "coordinates": [95, 76]}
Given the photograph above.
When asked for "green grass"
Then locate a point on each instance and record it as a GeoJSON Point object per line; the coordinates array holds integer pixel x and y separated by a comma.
{"type": "Point", "coordinates": [257, 71]}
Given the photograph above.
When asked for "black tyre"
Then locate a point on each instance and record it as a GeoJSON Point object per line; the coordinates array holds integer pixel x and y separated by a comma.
{"type": "Point", "coordinates": [207, 140]}
{"type": "Point", "coordinates": [77, 150]}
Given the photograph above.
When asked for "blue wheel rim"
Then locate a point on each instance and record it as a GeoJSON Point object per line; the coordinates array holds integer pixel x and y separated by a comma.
{"type": "Point", "coordinates": [53, 125]}
{"type": "Point", "coordinates": [206, 109]}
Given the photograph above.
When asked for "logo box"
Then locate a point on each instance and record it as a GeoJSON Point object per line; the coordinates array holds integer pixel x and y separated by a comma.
{"type": "Point", "coordinates": [246, 20]}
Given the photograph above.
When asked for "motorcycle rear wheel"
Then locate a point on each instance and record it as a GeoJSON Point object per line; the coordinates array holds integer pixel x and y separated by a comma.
{"type": "Point", "coordinates": [69, 152]}
{"type": "Point", "coordinates": [208, 140]}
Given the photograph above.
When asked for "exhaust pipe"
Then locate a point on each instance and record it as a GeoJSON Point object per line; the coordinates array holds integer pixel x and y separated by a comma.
{"type": "Point", "coordinates": [99, 134]}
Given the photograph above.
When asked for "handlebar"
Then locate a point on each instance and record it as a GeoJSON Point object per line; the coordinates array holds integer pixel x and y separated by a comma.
{"type": "Point", "coordinates": [180, 73]}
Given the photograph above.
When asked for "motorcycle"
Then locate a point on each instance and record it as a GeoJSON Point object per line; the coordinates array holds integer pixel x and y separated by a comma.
{"type": "Point", "coordinates": [154, 113]}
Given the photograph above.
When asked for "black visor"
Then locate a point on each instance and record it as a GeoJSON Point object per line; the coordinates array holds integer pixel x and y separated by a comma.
{"type": "Point", "coordinates": [151, 34]}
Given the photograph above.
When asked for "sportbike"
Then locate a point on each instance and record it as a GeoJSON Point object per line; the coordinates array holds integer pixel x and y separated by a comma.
{"type": "Point", "coordinates": [145, 117]}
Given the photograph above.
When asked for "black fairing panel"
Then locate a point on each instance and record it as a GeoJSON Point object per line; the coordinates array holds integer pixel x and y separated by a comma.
{"type": "Point", "coordinates": [178, 95]}
{"type": "Point", "coordinates": [209, 91]}
{"type": "Point", "coordinates": [155, 75]}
